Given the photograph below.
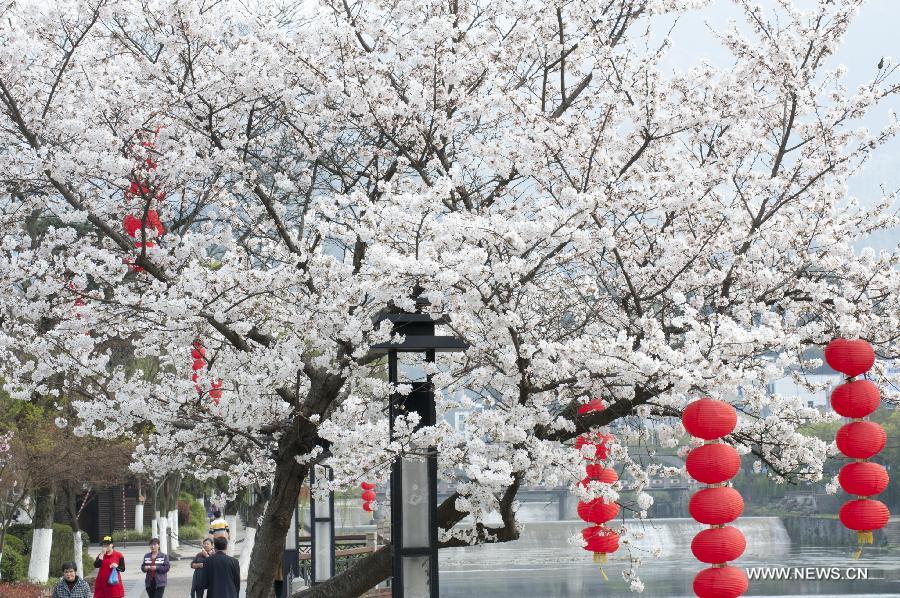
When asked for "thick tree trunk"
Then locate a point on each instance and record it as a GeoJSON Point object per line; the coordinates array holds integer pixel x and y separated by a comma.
{"type": "Point", "coordinates": [232, 520]}
{"type": "Point", "coordinates": [256, 510]}
{"type": "Point", "coordinates": [139, 517]}
{"type": "Point", "coordinates": [42, 539]}
{"type": "Point", "coordinates": [289, 476]}
{"type": "Point", "coordinates": [163, 534]}
{"type": "Point", "coordinates": [78, 552]}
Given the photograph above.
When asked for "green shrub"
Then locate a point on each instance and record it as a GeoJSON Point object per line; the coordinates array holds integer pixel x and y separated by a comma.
{"type": "Point", "coordinates": [192, 532]}
{"type": "Point", "coordinates": [197, 511]}
{"type": "Point", "coordinates": [131, 535]}
{"type": "Point", "coordinates": [19, 530]}
{"type": "Point", "coordinates": [184, 513]}
{"type": "Point", "coordinates": [14, 565]}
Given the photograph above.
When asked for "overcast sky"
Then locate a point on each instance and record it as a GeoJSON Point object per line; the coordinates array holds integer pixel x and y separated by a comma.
{"type": "Point", "coordinates": [873, 34]}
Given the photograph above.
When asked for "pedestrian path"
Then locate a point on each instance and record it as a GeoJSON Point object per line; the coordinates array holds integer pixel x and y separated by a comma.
{"type": "Point", "coordinates": [180, 574]}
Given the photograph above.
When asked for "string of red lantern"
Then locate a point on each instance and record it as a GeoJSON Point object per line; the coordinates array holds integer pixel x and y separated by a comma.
{"type": "Point", "coordinates": [368, 496]}
{"type": "Point", "coordinates": [598, 538]}
{"type": "Point", "coordinates": [714, 463]}
{"type": "Point", "coordinates": [199, 362]}
{"type": "Point", "coordinates": [140, 199]}
{"type": "Point", "coordinates": [859, 439]}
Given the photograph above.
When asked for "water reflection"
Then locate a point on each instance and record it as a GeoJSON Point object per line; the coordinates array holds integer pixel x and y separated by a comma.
{"type": "Point", "coordinates": [542, 565]}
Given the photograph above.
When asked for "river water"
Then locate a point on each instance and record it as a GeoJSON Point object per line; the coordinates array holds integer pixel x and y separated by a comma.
{"type": "Point", "coordinates": [542, 564]}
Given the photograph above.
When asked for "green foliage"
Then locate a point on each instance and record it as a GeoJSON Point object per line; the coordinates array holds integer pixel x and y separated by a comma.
{"type": "Point", "coordinates": [19, 530]}
{"type": "Point", "coordinates": [198, 513]}
{"type": "Point", "coordinates": [14, 566]}
{"type": "Point", "coordinates": [131, 535]}
{"type": "Point", "coordinates": [192, 532]}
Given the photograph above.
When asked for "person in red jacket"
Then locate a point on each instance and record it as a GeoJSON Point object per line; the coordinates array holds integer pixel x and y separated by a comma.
{"type": "Point", "coordinates": [106, 562]}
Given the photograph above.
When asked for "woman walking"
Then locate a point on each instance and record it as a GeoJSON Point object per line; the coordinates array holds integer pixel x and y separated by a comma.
{"type": "Point", "coordinates": [156, 568]}
{"type": "Point", "coordinates": [197, 566]}
{"type": "Point", "coordinates": [110, 565]}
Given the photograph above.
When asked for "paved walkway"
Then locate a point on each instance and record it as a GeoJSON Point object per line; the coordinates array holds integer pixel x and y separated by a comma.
{"type": "Point", "coordinates": [180, 573]}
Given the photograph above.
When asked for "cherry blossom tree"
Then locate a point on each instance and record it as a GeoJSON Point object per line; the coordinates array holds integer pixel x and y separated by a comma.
{"type": "Point", "coordinates": [261, 183]}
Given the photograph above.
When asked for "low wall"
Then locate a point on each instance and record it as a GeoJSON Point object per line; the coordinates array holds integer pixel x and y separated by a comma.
{"type": "Point", "coordinates": [805, 530]}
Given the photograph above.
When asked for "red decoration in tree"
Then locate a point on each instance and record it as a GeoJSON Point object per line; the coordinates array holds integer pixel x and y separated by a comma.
{"type": "Point", "coordinates": [598, 441]}
{"type": "Point", "coordinates": [367, 507]}
{"type": "Point", "coordinates": [715, 506]}
{"type": "Point", "coordinates": [864, 515]}
{"type": "Point", "coordinates": [713, 463]}
{"type": "Point", "coordinates": [861, 439]}
{"type": "Point", "coordinates": [863, 478]}
{"type": "Point", "coordinates": [856, 399]}
{"type": "Point", "coordinates": [601, 541]}
{"type": "Point", "coordinates": [709, 419]}
{"type": "Point", "coordinates": [595, 404]}
{"type": "Point", "coordinates": [850, 357]}
{"type": "Point", "coordinates": [721, 582]}
{"type": "Point", "coordinates": [718, 544]}
{"type": "Point", "coordinates": [598, 510]}
{"type": "Point", "coordinates": [368, 495]}
{"type": "Point", "coordinates": [597, 472]}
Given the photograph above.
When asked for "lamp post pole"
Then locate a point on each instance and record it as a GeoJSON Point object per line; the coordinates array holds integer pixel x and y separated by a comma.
{"type": "Point", "coordinates": [414, 529]}
{"type": "Point", "coordinates": [321, 532]}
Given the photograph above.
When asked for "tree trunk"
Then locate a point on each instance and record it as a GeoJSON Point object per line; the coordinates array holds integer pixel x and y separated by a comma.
{"type": "Point", "coordinates": [42, 540]}
{"type": "Point", "coordinates": [69, 496]}
{"type": "Point", "coordinates": [256, 510]}
{"type": "Point", "coordinates": [289, 476]}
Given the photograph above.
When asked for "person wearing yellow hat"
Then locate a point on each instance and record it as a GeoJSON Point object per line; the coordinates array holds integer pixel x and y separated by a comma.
{"type": "Point", "coordinates": [110, 565]}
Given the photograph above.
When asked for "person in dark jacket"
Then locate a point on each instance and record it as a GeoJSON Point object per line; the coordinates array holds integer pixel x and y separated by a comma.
{"type": "Point", "coordinates": [221, 574]}
{"type": "Point", "coordinates": [70, 585]}
{"type": "Point", "coordinates": [197, 566]}
{"type": "Point", "coordinates": [156, 567]}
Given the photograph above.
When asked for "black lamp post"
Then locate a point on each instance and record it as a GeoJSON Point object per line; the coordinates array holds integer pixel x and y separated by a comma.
{"type": "Point", "coordinates": [414, 529]}
{"type": "Point", "coordinates": [321, 529]}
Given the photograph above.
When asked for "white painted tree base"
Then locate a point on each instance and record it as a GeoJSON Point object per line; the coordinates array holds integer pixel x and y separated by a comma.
{"type": "Point", "coordinates": [232, 533]}
{"type": "Point", "coordinates": [139, 517]}
{"type": "Point", "coordinates": [247, 550]}
{"type": "Point", "coordinates": [77, 551]}
{"type": "Point", "coordinates": [163, 534]}
{"type": "Point", "coordinates": [39, 565]}
{"type": "Point", "coordinates": [173, 526]}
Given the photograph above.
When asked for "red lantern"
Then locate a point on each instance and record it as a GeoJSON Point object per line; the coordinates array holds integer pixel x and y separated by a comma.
{"type": "Point", "coordinates": [597, 472]}
{"type": "Point", "coordinates": [367, 507]}
{"type": "Point", "coordinates": [198, 353]}
{"type": "Point", "coordinates": [601, 541]}
{"type": "Point", "coordinates": [721, 582]}
{"type": "Point", "coordinates": [198, 364]}
{"type": "Point", "coordinates": [861, 440]}
{"type": "Point", "coordinates": [713, 463]}
{"type": "Point", "coordinates": [367, 486]}
{"type": "Point", "coordinates": [715, 506]}
{"type": "Point", "coordinates": [864, 515]}
{"type": "Point", "coordinates": [718, 544]}
{"type": "Point", "coordinates": [851, 358]}
{"type": "Point", "coordinates": [855, 399]}
{"type": "Point", "coordinates": [863, 478]}
{"type": "Point", "coordinates": [595, 404]}
{"type": "Point", "coordinates": [597, 511]}
{"type": "Point", "coordinates": [368, 495]}
{"type": "Point", "coordinates": [709, 419]}
{"type": "Point", "coordinates": [598, 441]}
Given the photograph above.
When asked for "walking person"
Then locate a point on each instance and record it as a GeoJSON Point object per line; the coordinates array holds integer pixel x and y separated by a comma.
{"type": "Point", "coordinates": [70, 585]}
{"type": "Point", "coordinates": [110, 565]}
{"type": "Point", "coordinates": [156, 568]}
{"type": "Point", "coordinates": [218, 527]}
{"type": "Point", "coordinates": [197, 566]}
{"type": "Point", "coordinates": [221, 573]}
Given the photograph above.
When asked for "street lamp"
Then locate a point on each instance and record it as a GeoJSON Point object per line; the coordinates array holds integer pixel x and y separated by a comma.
{"type": "Point", "coordinates": [414, 529]}
{"type": "Point", "coordinates": [321, 514]}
